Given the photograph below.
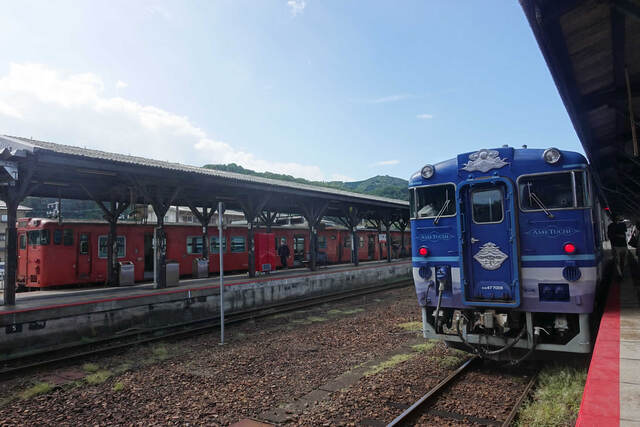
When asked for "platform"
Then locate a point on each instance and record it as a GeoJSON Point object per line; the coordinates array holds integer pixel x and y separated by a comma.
{"type": "Point", "coordinates": [44, 320]}
{"type": "Point", "coordinates": [612, 391]}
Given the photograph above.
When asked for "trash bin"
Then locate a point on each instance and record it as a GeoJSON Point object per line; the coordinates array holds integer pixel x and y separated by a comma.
{"type": "Point", "coordinates": [200, 268]}
{"type": "Point", "coordinates": [172, 269]}
{"type": "Point", "coordinates": [126, 270]}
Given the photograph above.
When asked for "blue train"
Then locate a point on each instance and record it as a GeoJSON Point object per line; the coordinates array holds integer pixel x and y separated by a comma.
{"type": "Point", "coordinates": [508, 251]}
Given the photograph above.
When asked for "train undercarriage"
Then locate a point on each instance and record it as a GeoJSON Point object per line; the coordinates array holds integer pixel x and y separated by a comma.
{"type": "Point", "coordinates": [508, 334]}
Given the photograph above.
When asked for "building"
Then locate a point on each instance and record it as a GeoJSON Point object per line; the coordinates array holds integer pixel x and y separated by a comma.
{"type": "Point", "coordinates": [22, 212]}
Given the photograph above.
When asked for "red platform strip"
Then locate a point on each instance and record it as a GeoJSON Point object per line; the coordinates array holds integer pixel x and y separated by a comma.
{"type": "Point", "coordinates": [184, 290]}
{"type": "Point", "coordinates": [601, 399]}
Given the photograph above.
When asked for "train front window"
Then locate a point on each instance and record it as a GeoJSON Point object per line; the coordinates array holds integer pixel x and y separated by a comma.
{"type": "Point", "coordinates": [434, 201]}
{"type": "Point", "coordinates": [34, 237]}
{"type": "Point", "coordinates": [23, 241]}
{"type": "Point", "coordinates": [562, 190]}
{"type": "Point", "coordinates": [487, 206]}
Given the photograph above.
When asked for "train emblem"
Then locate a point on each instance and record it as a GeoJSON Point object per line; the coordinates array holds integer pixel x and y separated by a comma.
{"type": "Point", "coordinates": [484, 161]}
{"type": "Point", "coordinates": [490, 256]}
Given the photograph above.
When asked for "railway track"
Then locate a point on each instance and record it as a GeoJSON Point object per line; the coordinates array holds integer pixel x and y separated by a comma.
{"type": "Point", "coordinates": [427, 405]}
{"type": "Point", "coordinates": [114, 344]}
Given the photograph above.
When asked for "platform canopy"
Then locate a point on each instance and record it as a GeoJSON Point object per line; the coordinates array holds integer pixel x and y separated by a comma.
{"type": "Point", "coordinates": [592, 48]}
{"type": "Point", "coordinates": [56, 170]}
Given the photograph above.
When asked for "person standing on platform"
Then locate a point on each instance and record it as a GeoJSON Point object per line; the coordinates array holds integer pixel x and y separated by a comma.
{"type": "Point", "coordinates": [617, 232]}
{"type": "Point", "coordinates": [284, 252]}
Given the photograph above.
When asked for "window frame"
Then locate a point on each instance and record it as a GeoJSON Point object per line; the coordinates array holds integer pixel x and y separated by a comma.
{"type": "Point", "coordinates": [57, 236]}
{"type": "Point", "coordinates": [587, 196]}
{"type": "Point", "coordinates": [494, 187]}
{"type": "Point", "coordinates": [67, 237]}
{"type": "Point", "coordinates": [106, 237]}
{"type": "Point", "coordinates": [188, 244]}
{"type": "Point", "coordinates": [22, 241]}
{"type": "Point", "coordinates": [244, 244]}
{"type": "Point", "coordinates": [414, 213]}
{"type": "Point", "coordinates": [212, 249]}
{"type": "Point", "coordinates": [80, 242]}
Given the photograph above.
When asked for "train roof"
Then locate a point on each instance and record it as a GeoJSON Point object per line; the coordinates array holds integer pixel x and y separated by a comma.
{"type": "Point", "coordinates": [508, 161]}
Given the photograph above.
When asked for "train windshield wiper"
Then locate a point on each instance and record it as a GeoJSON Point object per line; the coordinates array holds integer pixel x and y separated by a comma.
{"type": "Point", "coordinates": [442, 211]}
{"type": "Point", "coordinates": [536, 199]}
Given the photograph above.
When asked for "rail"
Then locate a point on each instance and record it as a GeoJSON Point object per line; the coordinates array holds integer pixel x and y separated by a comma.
{"type": "Point", "coordinates": [178, 331]}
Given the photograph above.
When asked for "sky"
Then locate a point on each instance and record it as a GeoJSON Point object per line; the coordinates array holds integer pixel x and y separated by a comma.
{"type": "Point", "coordinates": [319, 89]}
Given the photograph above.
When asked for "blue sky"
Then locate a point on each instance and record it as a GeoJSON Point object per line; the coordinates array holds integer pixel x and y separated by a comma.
{"type": "Point", "coordinates": [324, 89]}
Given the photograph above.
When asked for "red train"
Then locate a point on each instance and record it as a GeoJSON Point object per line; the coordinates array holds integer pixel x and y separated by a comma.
{"type": "Point", "coordinates": [74, 252]}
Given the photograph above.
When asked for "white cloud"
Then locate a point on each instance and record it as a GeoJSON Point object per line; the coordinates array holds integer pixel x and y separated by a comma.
{"type": "Point", "coordinates": [386, 163]}
{"type": "Point", "coordinates": [296, 6]}
{"type": "Point", "coordinates": [39, 102]}
{"type": "Point", "coordinates": [425, 116]}
{"type": "Point", "coordinates": [121, 85]}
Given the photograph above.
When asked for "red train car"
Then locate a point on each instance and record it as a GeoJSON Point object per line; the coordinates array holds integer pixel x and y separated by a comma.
{"type": "Point", "coordinates": [74, 252]}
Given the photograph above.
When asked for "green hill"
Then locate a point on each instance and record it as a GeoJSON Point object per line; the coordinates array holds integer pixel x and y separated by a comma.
{"type": "Point", "coordinates": [380, 185]}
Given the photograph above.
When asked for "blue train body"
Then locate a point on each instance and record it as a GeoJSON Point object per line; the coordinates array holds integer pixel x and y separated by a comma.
{"type": "Point", "coordinates": [507, 250]}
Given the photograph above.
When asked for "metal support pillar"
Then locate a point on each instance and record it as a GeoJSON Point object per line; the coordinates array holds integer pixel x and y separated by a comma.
{"type": "Point", "coordinates": [268, 218]}
{"type": "Point", "coordinates": [111, 215]}
{"type": "Point", "coordinates": [377, 222]}
{"type": "Point", "coordinates": [313, 211]}
{"type": "Point", "coordinates": [204, 217]}
{"type": "Point", "coordinates": [12, 254]}
{"type": "Point", "coordinates": [252, 206]}
{"type": "Point", "coordinates": [12, 194]}
{"type": "Point", "coordinates": [350, 219]}
{"type": "Point", "coordinates": [387, 221]}
{"type": "Point", "coordinates": [160, 204]}
{"type": "Point", "coordinates": [402, 225]}
{"type": "Point", "coordinates": [221, 252]}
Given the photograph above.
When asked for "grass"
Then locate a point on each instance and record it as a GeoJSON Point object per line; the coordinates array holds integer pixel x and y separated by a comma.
{"type": "Point", "coordinates": [123, 367]}
{"type": "Point", "coordinates": [395, 360]}
{"type": "Point", "coordinates": [118, 386]}
{"type": "Point", "coordinates": [338, 312]}
{"type": "Point", "coordinates": [90, 367]}
{"type": "Point", "coordinates": [424, 347]}
{"type": "Point", "coordinates": [449, 362]}
{"type": "Point", "coordinates": [35, 390]}
{"type": "Point", "coordinates": [411, 326]}
{"type": "Point", "coordinates": [556, 400]}
{"type": "Point", "coordinates": [160, 352]}
{"type": "Point", "coordinates": [98, 377]}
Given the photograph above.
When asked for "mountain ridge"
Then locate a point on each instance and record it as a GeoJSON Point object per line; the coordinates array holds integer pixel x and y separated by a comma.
{"type": "Point", "coordinates": [379, 185]}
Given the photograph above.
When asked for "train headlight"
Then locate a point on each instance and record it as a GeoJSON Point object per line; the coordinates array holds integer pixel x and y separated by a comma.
{"type": "Point", "coordinates": [551, 155]}
{"type": "Point", "coordinates": [427, 171]}
{"type": "Point", "coordinates": [423, 251]}
{"type": "Point", "coordinates": [569, 248]}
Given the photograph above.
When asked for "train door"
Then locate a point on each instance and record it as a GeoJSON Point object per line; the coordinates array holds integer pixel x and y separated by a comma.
{"type": "Point", "coordinates": [299, 243]}
{"type": "Point", "coordinates": [371, 247]}
{"type": "Point", "coordinates": [490, 271]}
{"type": "Point", "coordinates": [84, 256]}
{"type": "Point", "coordinates": [148, 256]}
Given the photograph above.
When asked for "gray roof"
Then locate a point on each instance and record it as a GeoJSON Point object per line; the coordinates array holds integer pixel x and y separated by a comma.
{"type": "Point", "coordinates": [3, 205]}
{"type": "Point", "coordinates": [43, 146]}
